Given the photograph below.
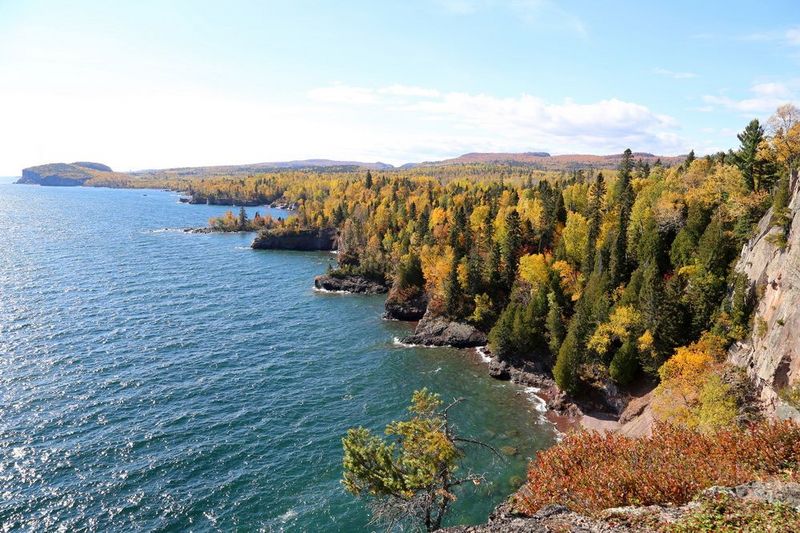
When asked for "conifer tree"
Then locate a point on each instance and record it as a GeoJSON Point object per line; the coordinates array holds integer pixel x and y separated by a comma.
{"type": "Point", "coordinates": [755, 170]}
{"type": "Point", "coordinates": [595, 217]}
{"type": "Point", "coordinates": [242, 218]}
{"type": "Point", "coordinates": [554, 323]}
{"type": "Point", "coordinates": [511, 248]}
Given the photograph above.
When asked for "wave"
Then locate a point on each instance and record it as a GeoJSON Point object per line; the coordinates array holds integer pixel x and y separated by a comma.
{"type": "Point", "coordinates": [397, 342]}
{"type": "Point", "coordinates": [326, 291]}
{"type": "Point", "coordinates": [481, 350]}
{"type": "Point", "coordinates": [538, 402]}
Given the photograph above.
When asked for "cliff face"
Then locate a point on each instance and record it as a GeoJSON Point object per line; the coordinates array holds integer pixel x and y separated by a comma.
{"type": "Point", "coordinates": [325, 239]}
{"type": "Point", "coordinates": [771, 354]}
{"type": "Point", "coordinates": [63, 174]}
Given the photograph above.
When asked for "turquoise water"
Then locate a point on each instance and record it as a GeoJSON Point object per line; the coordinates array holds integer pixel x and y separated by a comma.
{"type": "Point", "coordinates": [157, 380]}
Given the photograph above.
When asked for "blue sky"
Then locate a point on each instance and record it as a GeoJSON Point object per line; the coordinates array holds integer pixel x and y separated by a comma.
{"type": "Point", "coordinates": [151, 84]}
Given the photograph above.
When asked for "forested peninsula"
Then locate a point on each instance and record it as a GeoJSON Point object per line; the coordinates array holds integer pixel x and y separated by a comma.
{"type": "Point", "coordinates": [656, 293]}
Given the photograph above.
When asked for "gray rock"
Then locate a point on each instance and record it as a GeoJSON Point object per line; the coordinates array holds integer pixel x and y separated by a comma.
{"type": "Point", "coordinates": [322, 239]}
{"type": "Point", "coordinates": [771, 353]}
{"type": "Point", "coordinates": [440, 331]}
{"type": "Point", "coordinates": [349, 283]}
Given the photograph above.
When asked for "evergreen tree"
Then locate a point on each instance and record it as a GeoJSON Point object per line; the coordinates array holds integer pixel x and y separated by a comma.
{"type": "Point", "coordinates": [501, 337]}
{"type": "Point", "coordinates": [511, 248]}
{"type": "Point", "coordinates": [474, 276]}
{"type": "Point", "coordinates": [756, 171]}
{"type": "Point", "coordinates": [554, 324]}
{"type": "Point", "coordinates": [625, 364]}
{"type": "Point", "coordinates": [565, 370]}
{"type": "Point", "coordinates": [242, 218]}
{"type": "Point", "coordinates": [595, 218]}
{"type": "Point", "coordinates": [368, 181]}
{"type": "Point", "coordinates": [625, 197]}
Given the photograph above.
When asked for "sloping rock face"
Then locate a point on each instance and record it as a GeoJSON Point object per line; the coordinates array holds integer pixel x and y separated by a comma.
{"type": "Point", "coordinates": [439, 331]}
{"type": "Point", "coordinates": [324, 239]}
{"type": "Point", "coordinates": [354, 284]}
{"type": "Point", "coordinates": [56, 174]}
{"type": "Point", "coordinates": [406, 304]}
{"type": "Point", "coordinates": [771, 354]}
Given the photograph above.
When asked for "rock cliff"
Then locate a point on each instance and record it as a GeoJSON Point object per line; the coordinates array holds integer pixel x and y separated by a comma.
{"type": "Point", "coordinates": [439, 331]}
{"type": "Point", "coordinates": [771, 353]}
{"type": "Point", "coordinates": [324, 239]}
{"type": "Point", "coordinates": [63, 174]}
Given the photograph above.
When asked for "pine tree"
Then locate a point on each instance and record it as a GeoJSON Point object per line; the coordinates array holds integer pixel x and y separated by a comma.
{"type": "Point", "coordinates": [595, 218]}
{"type": "Point", "coordinates": [554, 323]}
{"type": "Point", "coordinates": [565, 370]}
{"type": "Point", "coordinates": [511, 248]}
{"type": "Point", "coordinates": [501, 337]}
{"type": "Point", "coordinates": [459, 232]}
{"type": "Point", "coordinates": [474, 276]}
{"type": "Point", "coordinates": [625, 197]}
{"type": "Point", "coordinates": [625, 364]}
{"type": "Point", "coordinates": [242, 218]}
{"type": "Point", "coordinates": [747, 156]}
{"type": "Point", "coordinates": [368, 181]}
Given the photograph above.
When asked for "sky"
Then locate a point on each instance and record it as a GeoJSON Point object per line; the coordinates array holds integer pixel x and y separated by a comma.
{"type": "Point", "coordinates": [156, 84]}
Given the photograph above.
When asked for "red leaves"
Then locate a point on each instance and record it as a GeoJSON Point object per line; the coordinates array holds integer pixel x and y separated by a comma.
{"type": "Point", "coordinates": [590, 471]}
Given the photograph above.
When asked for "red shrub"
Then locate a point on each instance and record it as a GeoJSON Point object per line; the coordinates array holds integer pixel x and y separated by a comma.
{"type": "Point", "coordinates": [589, 471]}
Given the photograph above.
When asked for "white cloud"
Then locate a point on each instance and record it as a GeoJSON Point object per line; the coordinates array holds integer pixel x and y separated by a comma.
{"type": "Point", "coordinates": [148, 126]}
{"type": "Point", "coordinates": [674, 75]}
{"type": "Point", "coordinates": [488, 123]}
{"type": "Point", "coordinates": [408, 90]}
{"type": "Point", "coordinates": [764, 97]}
{"type": "Point", "coordinates": [788, 37]}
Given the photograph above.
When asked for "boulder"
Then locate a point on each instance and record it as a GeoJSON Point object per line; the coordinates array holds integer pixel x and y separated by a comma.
{"type": "Point", "coordinates": [440, 331]}
{"type": "Point", "coordinates": [349, 283]}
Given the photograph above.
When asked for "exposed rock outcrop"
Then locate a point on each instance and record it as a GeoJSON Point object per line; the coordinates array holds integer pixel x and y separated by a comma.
{"type": "Point", "coordinates": [771, 354]}
{"type": "Point", "coordinates": [63, 174]}
{"type": "Point", "coordinates": [557, 518]}
{"type": "Point", "coordinates": [323, 239]}
{"type": "Point", "coordinates": [349, 283]}
{"type": "Point", "coordinates": [439, 331]}
{"type": "Point", "coordinates": [406, 304]}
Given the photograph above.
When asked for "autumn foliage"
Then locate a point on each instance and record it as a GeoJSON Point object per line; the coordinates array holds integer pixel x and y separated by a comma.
{"type": "Point", "coordinates": [589, 471]}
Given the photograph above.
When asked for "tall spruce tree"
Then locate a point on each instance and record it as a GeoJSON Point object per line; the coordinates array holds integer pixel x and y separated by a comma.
{"type": "Point", "coordinates": [625, 196]}
{"type": "Point", "coordinates": [595, 217]}
{"type": "Point", "coordinates": [511, 247]}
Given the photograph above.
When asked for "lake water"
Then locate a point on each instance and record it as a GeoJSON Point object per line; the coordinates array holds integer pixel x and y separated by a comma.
{"type": "Point", "coordinates": [157, 380]}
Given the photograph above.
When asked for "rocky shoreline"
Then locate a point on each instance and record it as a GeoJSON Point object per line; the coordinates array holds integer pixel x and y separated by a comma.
{"type": "Point", "coordinates": [304, 240]}
{"type": "Point", "coordinates": [350, 284]}
{"type": "Point", "coordinates": [439, 331]}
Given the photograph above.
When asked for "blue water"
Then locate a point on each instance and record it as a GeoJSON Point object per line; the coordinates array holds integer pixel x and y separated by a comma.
{"type": "Point", "coordinates": [157, 380]}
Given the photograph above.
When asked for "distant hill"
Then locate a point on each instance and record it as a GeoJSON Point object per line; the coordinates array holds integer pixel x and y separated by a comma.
{"type": "Point", "coordinates": [79, 173]}
{"type": "Point", "coordinates": [255, 168]}
{"type": "Point", "coordinates": [545, 161]}
{"type": "Point", "coordinates": [64, 174]}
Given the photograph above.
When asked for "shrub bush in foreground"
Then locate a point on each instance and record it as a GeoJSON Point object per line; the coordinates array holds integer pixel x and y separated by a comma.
{"type": "Point", "coordinates": [589, 471]}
